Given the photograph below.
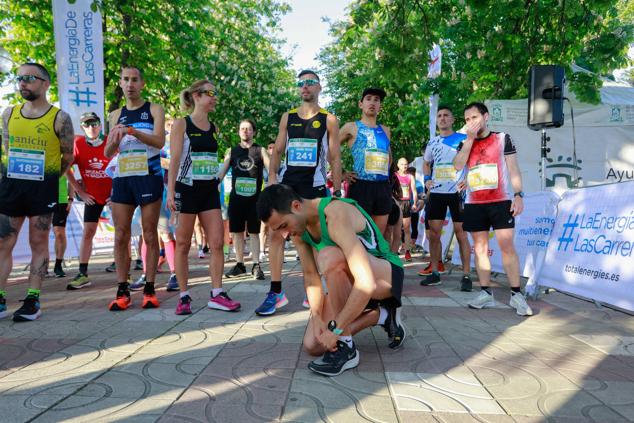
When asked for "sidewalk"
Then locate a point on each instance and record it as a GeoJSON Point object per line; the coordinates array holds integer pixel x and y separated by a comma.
{"type": "Point", "coordinates": [570, 362]}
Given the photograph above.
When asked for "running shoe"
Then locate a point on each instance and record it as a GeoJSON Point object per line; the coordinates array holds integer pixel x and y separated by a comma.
{"type": "Point", "coordinates": [408, 255]}
{"type": "Point", "coordinates": [80, 281]}
{"type": "Point", "coordinates": [518, 302]}
{"type": "Point", "coordinates": [238, 270]}
{"type": "Point", "coordinates": [432, 279]}
{"type": "Point", "coordinates": [483, 300]}
{"type": "Point", "coordinates": [394, 327]}
{"type": "Point", "coordinates": [121, 302]}
{"type": "Point", "coordinates": [183, 306]}
{"type": "Point", "coordinates": [337, 362]}
{"type": "Point", "coordinates": [257, 272]}
{"type": "Point", "coordinates": [465, 284]}
{"type": "Point", "coordinates": [59, 272]}
{"type": "Point", "coordinates": [29, 311]}
{"type": "Point", "coordinates": [201, 254]}
{"type": "Point", "coordinates": [3, 308]}
{"type": "Point", "coordinates": [427, 270]}
{"type": "Point", "coordinates": [138, 264]}
{"type": "Point", "coordinates": [172, 283]}
{"type": "Point", "coordinates": [262, 257]}
{"type": "Point", "coordinates": [272, 303]}
{"type": "Point", "coordinates": [223, 302]}
{"type": "Point", "coordinates": [305, 303]}
{"type": "Point", "coordinates": [150, 300]}
{"type": "Point", "coordinates": [206, 249]}
{"type": "Point", "coordinates": [112, 268]}
{"type": "Point", "coordinates": [138, 284]}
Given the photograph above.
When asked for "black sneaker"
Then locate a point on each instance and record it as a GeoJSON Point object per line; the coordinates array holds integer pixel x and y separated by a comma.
{"type": "Point", "coordinates": [238, 270]}
{"type": "Point", "coordinates": [29, 311]}
{"type": "Point", "coordinates": [138, 265]}
{"type": "Point", "coordinates": [112, 268]}
{"type": "Point", "coordinates": [465, 284]}
{"type": "Point", "coordinates": [206, 249]}
{"type": "Point", "coordinates": [256, 271]}
{"type": "Point", "coordinates": [59, 272]}
{"type": "Point", "coordinates": [432, 279]}
{"type": "Point", "coordinates": [394, 327]}
{"type": "Point", "coordinates": [335, 363]}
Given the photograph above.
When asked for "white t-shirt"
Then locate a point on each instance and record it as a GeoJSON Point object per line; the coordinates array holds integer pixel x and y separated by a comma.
{"type": "Point", "coordinates": [440, 152]}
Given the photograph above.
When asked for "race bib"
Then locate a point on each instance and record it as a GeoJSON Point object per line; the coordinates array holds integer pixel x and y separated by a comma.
{"type": "Point", "coordinates": [377, 162]}
{"type": "Point", "coordinates": [246, 187]}
{"type": "Point", "coordinates": [302, 152]}
{"type": "Point", "coordinates": [26, 164]}
{"type": "Point", "coordinates": [405, 191]}
{"type": "Point", "coordinates": [205, 166]}
{"type": "Point", "coordinates": [133, 163]}
{"type": "Point", "coordinates": [444, 172]}
{"type": "Point", "coordinates": [484, 176]}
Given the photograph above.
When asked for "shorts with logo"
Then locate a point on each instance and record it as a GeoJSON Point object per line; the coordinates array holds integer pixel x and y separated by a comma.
{"type": "Point", "coordinates": [242, 212]}
{"type": "Point", "coordinates": [406, 208]}
{"type": "Point", "coordinates": [137, 190]}
{"type": "Point", "coordinates": [482, 217]}
{"type": "Point", "coordinates": [309, 192]}
{"type": "Point", "coordinates": [60, 215]}
{"type": "Point", "coordinates": [20, 198]}
{"type": "Point", "coordinates": [395, 213]}
{"type": "Point", "coordinates": [437, 204]}
{"type": "Point", "coordinates": [93, 212]}
{"type": "Point", "coordinates": [373, 196]}
{"type": "Point", "coordinates": [199, 197]}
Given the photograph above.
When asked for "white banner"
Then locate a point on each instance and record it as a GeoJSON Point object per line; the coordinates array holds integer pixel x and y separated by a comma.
{"type": "Point", "coordinates": [79, 55]}
{"type": "Point", "coordinates": [591, 248]}
{"type": "Point", "coordinates": [434, 70]}
{"type": "Point", "coordinates": [533, 229]}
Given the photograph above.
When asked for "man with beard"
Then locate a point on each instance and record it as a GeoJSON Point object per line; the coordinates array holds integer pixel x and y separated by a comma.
{"type": "Point", "coordinates": [309, 137]}
{"type": "Point", "coordinates": [37, 148]}
{"type": "Point", "coordinates": [136, 137]}
{"type": "Point", "coordinates": [247, 162]}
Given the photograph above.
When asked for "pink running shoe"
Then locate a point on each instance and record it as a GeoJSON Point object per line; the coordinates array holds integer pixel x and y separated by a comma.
{"type": "Point", "coordinates": [223, 302]}
{"type": "Point", "coordinates": [184, 306]}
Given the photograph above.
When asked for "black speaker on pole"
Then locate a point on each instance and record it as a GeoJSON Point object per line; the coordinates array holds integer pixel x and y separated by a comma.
{"type": "Point", "coordinates": [545, 96]}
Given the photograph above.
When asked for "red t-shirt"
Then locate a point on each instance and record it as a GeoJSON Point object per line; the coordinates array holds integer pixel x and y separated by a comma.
{"type": "Point", "coordinates": [92, 163]}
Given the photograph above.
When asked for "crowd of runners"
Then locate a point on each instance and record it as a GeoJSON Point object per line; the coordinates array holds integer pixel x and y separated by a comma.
{"type": "Point", "coordinates": [169, 179]}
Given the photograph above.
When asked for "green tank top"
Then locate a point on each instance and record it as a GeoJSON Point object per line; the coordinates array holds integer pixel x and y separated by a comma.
{"type": "Point", "coordinates": [370, 236]}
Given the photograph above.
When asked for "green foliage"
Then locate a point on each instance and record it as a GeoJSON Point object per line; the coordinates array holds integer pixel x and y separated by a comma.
{"type": "Point", "coordinates": [232, 43]}
{"type": "Point", "coordinates": [488, 48]}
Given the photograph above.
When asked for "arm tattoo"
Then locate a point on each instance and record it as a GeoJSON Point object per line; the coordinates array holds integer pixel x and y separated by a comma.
{"type": "Point", "coordinates": [43, 222]}
{"type": "Point", "coordinates": [5, 131]}
{"type": "Point", "coordinates": [39, 270]}
{"type": "Point", "coordinates": [6, 228]}
{"type": "Point", "coordinates": [66, 139]}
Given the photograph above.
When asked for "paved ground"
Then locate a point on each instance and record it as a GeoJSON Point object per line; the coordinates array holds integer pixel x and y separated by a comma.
{"type": "Point", "coordinates": [571, 362]}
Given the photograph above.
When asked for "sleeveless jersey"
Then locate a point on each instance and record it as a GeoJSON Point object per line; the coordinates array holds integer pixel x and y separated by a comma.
{"type": "Point", "coordinates": [199, 161]}
{"type": "Point", "coordinates": [34, 147]}
{"type": "Point", "coordinates": [406, 189]}
{"type": "Point", "coordinates": [246, 171]}
{"type": "Point", "coordinates": [370, 236]}
{"type": "Point", "coordinates": [136, 158]}
{"type": "Point", "coordinates": [371, 153]}
{"type": "Point", "coordinates": [306, 150]}
{"type": "Point", "coordinates": [440, 152]}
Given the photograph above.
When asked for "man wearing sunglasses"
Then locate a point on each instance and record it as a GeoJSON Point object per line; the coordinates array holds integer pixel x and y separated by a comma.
{"type": "Point", "coordinates": [309, 138]}
{"type": "Point", "coordinates": [37, 148]}
{"type": "Point", "coordinates": [136, 137]}
{"type": "Point", "coordinates": [95, 189]}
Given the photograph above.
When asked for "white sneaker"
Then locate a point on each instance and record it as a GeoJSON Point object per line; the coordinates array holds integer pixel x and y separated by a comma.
{"type": "Point", "coordinates": [484, 299]}
{"type": "Point", "coordinates": [262, 257]}
{"type": "Point", "coordinates": [518, 302]}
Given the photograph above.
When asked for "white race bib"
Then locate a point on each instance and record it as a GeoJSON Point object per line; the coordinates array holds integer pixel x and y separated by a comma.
{"type": "Point", "coordinates": [484, 176]}
{"type": "Point", "coordinates": [377, 162]}
{"type": "Point", "coordinates": [133, 163]}
{"type": "Point", "coordinates": [302, 152]}
{"type": "Point", "coordinates": [205, 166]}
{"type": "Point", "coordinates": [444, 172]}
{"type": "Point", "coordinates": [26, 164]}
{"type": "Point", "coordinates": [246, 187]}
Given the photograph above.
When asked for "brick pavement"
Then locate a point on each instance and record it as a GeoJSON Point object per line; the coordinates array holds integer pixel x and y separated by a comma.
{"type": "Point", "coordinates": [571, 362]}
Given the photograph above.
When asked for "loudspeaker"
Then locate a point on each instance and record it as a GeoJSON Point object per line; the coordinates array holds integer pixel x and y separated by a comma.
{"type": "Point", "coordinates": [545, 96]}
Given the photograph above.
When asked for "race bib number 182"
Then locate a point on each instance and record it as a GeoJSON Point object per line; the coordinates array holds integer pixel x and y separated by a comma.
{"type": "Point", "coordinates": [26, 164]}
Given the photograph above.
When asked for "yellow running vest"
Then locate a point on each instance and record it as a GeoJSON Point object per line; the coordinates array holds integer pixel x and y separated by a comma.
{"type": "Point", "coordinates": [34, 147]}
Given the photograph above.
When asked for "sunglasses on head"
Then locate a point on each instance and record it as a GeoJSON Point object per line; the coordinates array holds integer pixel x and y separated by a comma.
{"type": "Point", "coordinates": [28, 78]}
{"type": "Point", "coordinates": [309, 82]}
{"type": "Point", "coordinates": [92, 123]}
{"type": "Point", "coordinates": [210, 93]}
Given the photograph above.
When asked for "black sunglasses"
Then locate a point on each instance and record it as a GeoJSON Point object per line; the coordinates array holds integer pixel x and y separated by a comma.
{"type": "Point", "coordinates": [28, 78]}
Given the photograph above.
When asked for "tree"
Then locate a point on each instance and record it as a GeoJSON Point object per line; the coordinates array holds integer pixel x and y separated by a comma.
{"type": "Point", "coordinates": [234, 44]}
{"type": "Point", "coordinates": [488, 48]}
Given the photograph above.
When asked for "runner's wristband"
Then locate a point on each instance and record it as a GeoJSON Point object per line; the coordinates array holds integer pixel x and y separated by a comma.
{"type": "Point", "coordinates": [427, 178]}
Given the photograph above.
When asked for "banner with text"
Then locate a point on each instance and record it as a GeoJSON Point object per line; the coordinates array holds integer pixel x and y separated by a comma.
{"type": "Point", "coordinates": [79, 55]}
{"type": "Point", "coordinates": [591, 249]}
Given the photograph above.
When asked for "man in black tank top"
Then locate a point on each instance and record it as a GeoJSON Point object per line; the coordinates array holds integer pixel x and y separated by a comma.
{"type": "Point", "coordinates": [309, 138]}
{"type": "Point", "coordinates": [247, 162]}
{"type": "Point", "coordinates": [137, 134]}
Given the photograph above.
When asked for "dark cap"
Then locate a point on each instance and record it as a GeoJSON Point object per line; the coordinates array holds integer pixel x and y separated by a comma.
{"type": "Point", "coordinates": [374, 91]}
{"type": "Point", "coordinates": [88, 116]}
{"type": "Point", "coordinates": [308, 72]}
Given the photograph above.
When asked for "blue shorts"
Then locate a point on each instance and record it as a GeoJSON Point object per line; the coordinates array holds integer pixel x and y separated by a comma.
{"type": "Point", "coordinates": [137, 190]}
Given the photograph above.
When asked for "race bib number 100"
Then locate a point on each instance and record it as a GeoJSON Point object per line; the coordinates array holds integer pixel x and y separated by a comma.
{"type": "Point", "coordinates": [302, 152]}
{"type": "Point", "coordinates": [205, 166]}
{"type": "Point", "coordinates": [484, 176]}
{"type": "Point", "coordinates": [133, 163]}
{"type": "Point", "coordinates": [26, 164]}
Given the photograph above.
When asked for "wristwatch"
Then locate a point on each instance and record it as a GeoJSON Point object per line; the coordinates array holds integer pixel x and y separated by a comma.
{"type": "Point", "coordinates": [332, 327]}
{"type": "Point", "coordinates": [337, 193]}
{"type": "Point", "coordinates": [519, 194]}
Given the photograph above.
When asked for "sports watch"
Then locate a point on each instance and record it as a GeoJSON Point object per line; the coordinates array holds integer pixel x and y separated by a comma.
{"type": "Point", "coordinates": [332, 327]}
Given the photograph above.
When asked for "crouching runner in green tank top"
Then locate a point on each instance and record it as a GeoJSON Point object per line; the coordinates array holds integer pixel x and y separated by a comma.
{"type": "Point", "coordinates": [363, 278]}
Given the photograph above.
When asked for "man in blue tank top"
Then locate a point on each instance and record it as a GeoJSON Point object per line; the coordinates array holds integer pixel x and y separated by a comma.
{"type": "Point", "coordinates": [369, 143]}
{"type": "Point", "coordinates": [136, 137]}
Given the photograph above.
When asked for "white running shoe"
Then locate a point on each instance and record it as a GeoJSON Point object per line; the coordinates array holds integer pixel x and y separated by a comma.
{"type": "Point", "coordinates": [484, 299]}
{"type": "Point", "coordinates": [518, 302]}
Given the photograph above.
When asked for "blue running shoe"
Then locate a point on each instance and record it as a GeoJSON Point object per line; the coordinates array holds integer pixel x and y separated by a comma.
{"type": "Point", "coordinates": [272, 303]}
{"type": "Point", "coordinates": [138, 284]}
{"type": "Point", "coordinates": [29, 311]}
{"type": "Point", "coordinates": [172, 283]}
{"type": "Point", "coordinates": [3, 308]}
